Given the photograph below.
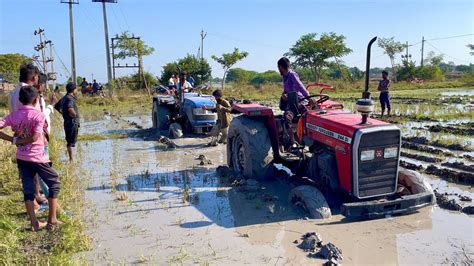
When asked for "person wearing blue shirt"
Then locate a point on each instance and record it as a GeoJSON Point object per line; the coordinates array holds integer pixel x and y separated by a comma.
{"type": "Point", "coordinates": [191, 80]}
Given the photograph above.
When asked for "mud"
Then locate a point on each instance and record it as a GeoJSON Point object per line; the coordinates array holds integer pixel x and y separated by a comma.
{"type": "Point", "coordinates": [459, 165]}
{"type": "Point", "coordinates": [420, 157]}
{"type": "Point", "coordinates": [425, 141]}
{"type": "Point", "coordinates": [424, 148]}
{"type": "Point", "coordinates": [466, 129]}
{"type": "Point", "coordinates": [176, 211]}
{"type": "Point", "coordinates": [451, 175]}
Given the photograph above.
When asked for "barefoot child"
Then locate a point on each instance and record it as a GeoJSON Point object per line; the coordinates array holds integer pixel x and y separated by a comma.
{"type": "Point", "coordinates": [28, 123]}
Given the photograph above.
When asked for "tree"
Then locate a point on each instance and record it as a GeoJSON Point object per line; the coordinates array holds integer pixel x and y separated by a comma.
{"type": "Point", "coordinates": [128, 47]}
{"type": "Point", "coordinates": [356, 73]}
{"type": "Point", "coordinates": [227, 60]}
{"type": "Point", "coordinates": [190, 65]}
{"type": "Point", "coordinates": [471, 47]}
{"type": "Point", "coordinates": [314, 54]}
{"type": "Point", "coordinates": [10, 66]}
{"type": "Point", "coordinates": [239, 75]}
{"type": "Point", "coordinates": [269, 76]}
{"type": "Point", "coordinates": [391, 48]}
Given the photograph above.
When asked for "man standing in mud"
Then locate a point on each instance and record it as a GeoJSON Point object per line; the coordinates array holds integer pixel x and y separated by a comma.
{"type": "Point", "coordinates": [291, 83]}
{"type": "Point", "coordinates": [384, 85]}
{"type": "Point", "coordinates": [221, 128]}
{"type": "Point", "coordinates": [70, 114]}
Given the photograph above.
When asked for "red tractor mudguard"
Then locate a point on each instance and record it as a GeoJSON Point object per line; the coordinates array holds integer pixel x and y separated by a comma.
{"type": "Point", "coordinates": [254, 110]}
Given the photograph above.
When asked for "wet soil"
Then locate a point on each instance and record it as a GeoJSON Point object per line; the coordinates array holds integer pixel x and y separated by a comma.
{"type": "Point", "coordinates": [155, 205]}
{"type": "Point", "coordinates": [435, 144]}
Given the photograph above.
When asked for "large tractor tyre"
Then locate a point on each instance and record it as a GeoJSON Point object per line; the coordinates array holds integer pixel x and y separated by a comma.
{"type": "Point", "coordinates": [411, 182]}
{"type": "Point", "coordinates": [312, 200]}
{"type": "Point", "coordinates": [161, 116]}
{"type": "Point", "coordinates": [249, 149]}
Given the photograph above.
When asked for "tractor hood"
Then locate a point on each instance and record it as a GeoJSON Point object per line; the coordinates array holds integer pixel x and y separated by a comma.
{"type": "Point", "coordinates": [196, 101]}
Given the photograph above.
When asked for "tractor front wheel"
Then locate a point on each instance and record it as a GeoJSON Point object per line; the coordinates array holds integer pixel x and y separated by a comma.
{"type": "Point", "coordinates": [161, 116]}
{"type": "Point", "coordinates": [249, 149]}
{"type": "Point", "coordinates": [311, 200]}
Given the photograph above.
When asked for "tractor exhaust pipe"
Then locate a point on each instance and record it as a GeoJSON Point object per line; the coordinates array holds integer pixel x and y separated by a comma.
{"type": "Point", "coordinates": [365, 106]}
{"type": "Point", "coordinates": [366, 93]}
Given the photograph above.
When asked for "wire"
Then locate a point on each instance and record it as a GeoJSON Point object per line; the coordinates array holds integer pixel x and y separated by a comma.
{"type": "Point", "coordinates": [226, 37]}
{"type": "Point", "coordinates": [450, 37]}
{"type": "Point", "coordinates": [124, 17]}
{"type": "Point", "coordinates": [443, 53]}
{"type": "Point", "coordinates": [116, 18]}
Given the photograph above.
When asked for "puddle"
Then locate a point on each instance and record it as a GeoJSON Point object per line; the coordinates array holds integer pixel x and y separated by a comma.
{"type": "Point", "coordinates": [469, 92]}
{"type": "Point", "coordinates": [222, 224]}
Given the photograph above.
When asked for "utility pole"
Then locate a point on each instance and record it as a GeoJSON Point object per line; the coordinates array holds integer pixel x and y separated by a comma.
{"type": "Point", "coordinates": [422, 49]}
{"type": "Point", "coordinates": [71, 33]}
{"type": "Point", "coordinates": [107, 45]}
{"type": "Point", "coordinates": [41, 46]}
{"type": "Point", "coordinates": [203, 35]}
{"type": "Point", "coordinates": [51, 75]}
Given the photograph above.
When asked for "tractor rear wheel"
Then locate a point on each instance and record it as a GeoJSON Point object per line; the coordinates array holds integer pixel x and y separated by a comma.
{"type": "Point", "coordinates": [161, 116]}
{"type": "Point", "coordinates": [249, 149]}
{"type": "Point", "coordinates": [312, 200]}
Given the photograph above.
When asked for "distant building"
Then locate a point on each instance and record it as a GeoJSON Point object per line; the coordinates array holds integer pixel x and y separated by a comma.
{"type": "Point", "coordinates": [5, 85]}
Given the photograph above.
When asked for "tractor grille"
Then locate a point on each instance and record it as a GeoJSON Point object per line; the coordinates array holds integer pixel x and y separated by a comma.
{"type": "Point", "coordinates": [378, 176]}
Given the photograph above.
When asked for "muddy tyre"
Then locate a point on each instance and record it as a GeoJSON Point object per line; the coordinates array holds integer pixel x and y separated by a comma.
{"type": "Point", "coordinates": [312, 200]}
{"type": "Point", "coordinates": [413, 181]}
{"type": "Point", "coordinates": [249, 149]}
{"type": "Point", "coordinates": [175, 131]}
{"type": "Point", "coordinates": [161, 116]}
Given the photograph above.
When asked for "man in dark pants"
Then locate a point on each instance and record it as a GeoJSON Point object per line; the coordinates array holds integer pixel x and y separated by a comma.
{"type": "Point", "coordinates": [384, 85]}
{"type": "Point", "coordinates": [70, 114]}
{"type": "Point", "coordinates": [291, 83]}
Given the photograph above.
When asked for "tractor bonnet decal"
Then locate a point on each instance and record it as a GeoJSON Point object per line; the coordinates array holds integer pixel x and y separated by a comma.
{"type": "Point", "coordinates": [329, 133]}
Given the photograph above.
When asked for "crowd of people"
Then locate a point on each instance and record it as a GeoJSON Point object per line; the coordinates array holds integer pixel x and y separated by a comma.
{"type": "Point", "coordinates": [30, 121]}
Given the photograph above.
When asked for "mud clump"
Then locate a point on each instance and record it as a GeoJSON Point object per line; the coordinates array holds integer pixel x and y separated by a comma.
{"type": "Point", "coordinates": [421, 157]}
{"type": "Point", "coordinates": [444, 202]}
{"type": "Point", "coordinates": [410, 166]}
{"type": "Point", "coordinates": [451, 175]}
{"type": "Point", "coordinates": [469, 210]}
{"type": "Point", "coordinates": [423, 148]}
{"type": "Point", "coordinates": [311, 241]}
{"type": "Point", "coordinates": [203, 160]}
{"type": "Point", "coordinates": [169, 143]}
{"type": "Point", "coordinates": [456, 130]}
{"type": "Point", "coordinates": [425, 141]}
{"type": "Point", "coordinates": [459, 165]}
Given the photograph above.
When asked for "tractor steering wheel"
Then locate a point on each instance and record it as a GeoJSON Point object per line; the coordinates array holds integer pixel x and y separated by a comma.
{"type": "Point", "coordinates": [322, 98]}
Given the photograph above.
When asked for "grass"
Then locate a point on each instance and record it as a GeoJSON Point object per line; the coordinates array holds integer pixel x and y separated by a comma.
{"type": "Point", "coordinates": [21, 246]}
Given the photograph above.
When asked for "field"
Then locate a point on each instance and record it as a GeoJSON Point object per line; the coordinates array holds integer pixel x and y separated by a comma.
{"type": "Point", "coordinates": [131, 199]}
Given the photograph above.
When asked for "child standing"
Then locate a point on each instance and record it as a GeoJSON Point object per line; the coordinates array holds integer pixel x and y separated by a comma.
{"type": "Point", "coordinates": [28, 123]}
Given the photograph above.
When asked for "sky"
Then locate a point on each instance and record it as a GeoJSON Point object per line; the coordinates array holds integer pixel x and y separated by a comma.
{"type": "Point", "coordinates": [266, 29]}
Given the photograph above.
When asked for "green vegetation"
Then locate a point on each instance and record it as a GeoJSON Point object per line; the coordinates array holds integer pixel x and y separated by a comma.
{"type": "Point", "coordinates": [391, 48]}
{"type": "Point", "coordinates": [10, 64]}
{"type": "Point", "coordinates": [19, 245]}
{"type": "Point", "coordinates": [227, 60]}
{"type": "Point", "coordinates": [199, 68]}
{"type": "Point", "coordinates": [313, 54]}
{"type": "Point", "coordinates": [127, 47]}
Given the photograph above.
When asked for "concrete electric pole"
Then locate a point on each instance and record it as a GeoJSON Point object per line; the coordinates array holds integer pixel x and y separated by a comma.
{"type": "Point", "coordinates": [203, 35]}
{"type": "Point", "coordinates": [107, 45]}
{"type": "Point", "coordinates": [422, 49]}
{"type": "Point", "coordinates": [71, 33]}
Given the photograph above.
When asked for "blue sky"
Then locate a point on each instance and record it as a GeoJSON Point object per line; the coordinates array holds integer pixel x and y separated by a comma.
{"type": "Point", "coordinates": [264, 28]}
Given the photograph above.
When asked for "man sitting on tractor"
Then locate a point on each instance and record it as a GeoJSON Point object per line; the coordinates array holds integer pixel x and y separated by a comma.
{"type": "Point", "coordinates": [291, 83]}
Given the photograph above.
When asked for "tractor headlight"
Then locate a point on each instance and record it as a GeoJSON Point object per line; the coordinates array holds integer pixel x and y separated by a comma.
{"type": "Point", "coordinates": [199, 111]}
{"type": "Point", "coordinates": [367, 155]}
{"type": "Point", "coordinates": [390, 152]}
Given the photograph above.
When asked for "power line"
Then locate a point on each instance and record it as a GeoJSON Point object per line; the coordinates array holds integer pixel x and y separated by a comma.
{"type": "Point", "coordinates": [124, 17]}
{"type": "Point", "coordinates": [443, 53]}
{"type": "Point", "coordinates": [450, 37]}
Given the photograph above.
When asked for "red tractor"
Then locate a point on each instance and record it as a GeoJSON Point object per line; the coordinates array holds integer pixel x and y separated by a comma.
{"type": "Point", "coordinates": [339, 154]}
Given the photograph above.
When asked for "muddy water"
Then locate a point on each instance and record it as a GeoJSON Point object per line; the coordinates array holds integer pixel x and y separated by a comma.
{"type": "Point", "coordinates": [137, 214]}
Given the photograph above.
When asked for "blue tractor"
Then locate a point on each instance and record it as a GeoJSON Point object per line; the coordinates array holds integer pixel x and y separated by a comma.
{"type": "Point", "coordinates": [185, 109]}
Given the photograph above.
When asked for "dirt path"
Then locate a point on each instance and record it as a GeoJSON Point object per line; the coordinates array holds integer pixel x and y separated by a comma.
{"type": "Point", "coordinates": [137, 214]}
